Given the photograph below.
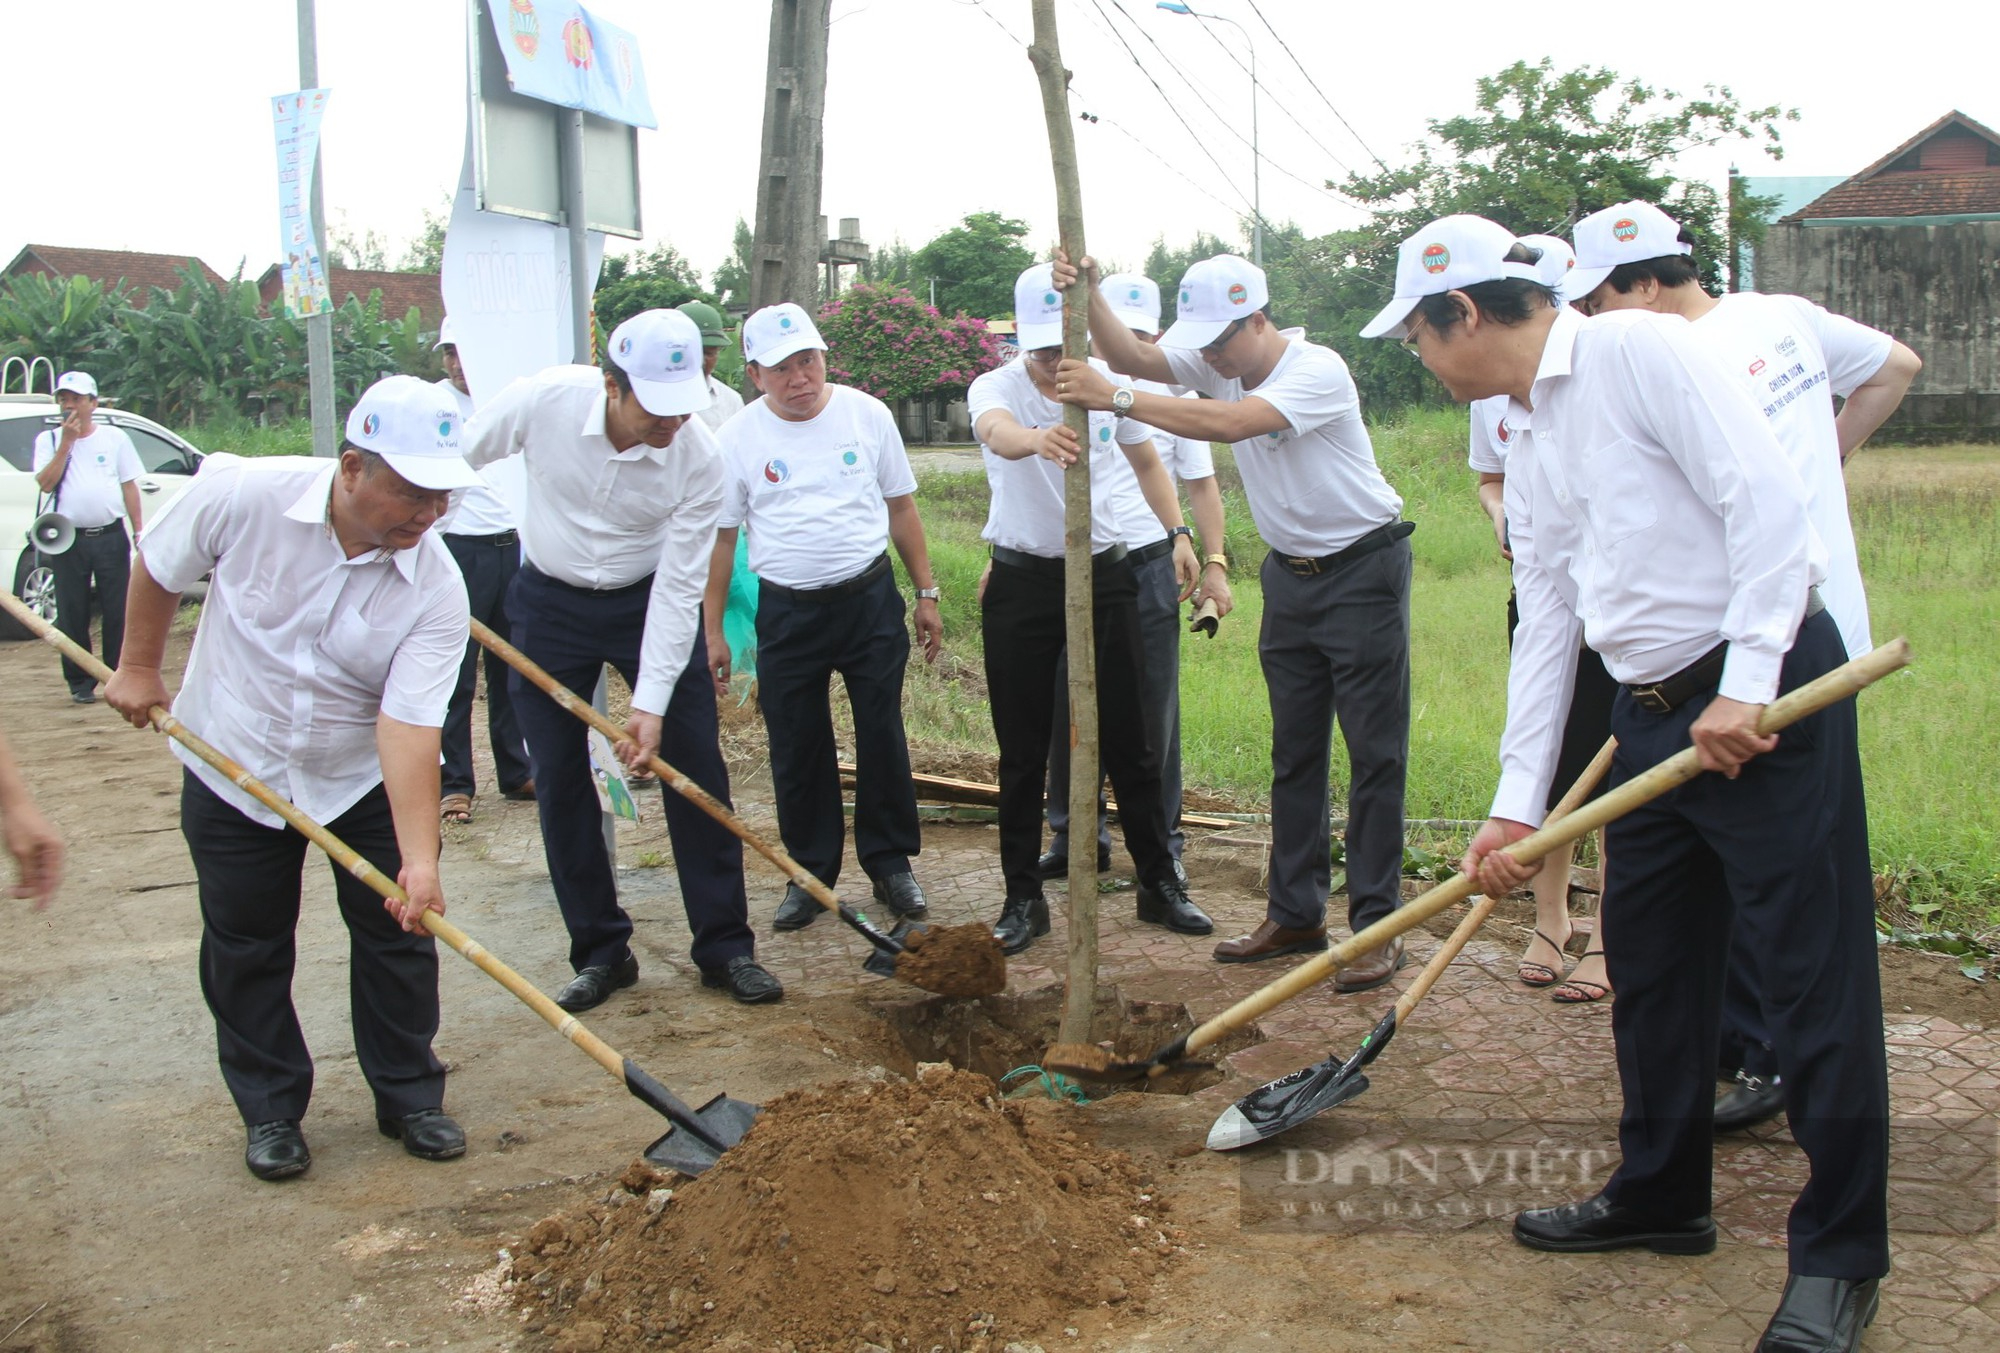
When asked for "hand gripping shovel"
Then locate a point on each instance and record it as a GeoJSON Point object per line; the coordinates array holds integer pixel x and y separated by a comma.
{"type": "Point", "coordinates": [950, 960]}
{"type": "Point", "coordinates": [704, 1134]}
{"type": "Point", "coordinates": [1305, 1094]}
{"type": "Point", "coordinates": [1086, 1061]}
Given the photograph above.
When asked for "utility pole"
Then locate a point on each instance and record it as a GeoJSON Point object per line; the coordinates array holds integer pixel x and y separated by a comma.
{"type": "Point", "coordinates": [319, 326]}
{"type": "Point", "coordinates": [785, 253]}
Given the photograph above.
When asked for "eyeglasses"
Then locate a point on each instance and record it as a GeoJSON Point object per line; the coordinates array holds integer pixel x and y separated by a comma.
{"type": "Point", "coordinates": [1236, 327]}
{"type": "Point", "coordinates": [1409, 339]}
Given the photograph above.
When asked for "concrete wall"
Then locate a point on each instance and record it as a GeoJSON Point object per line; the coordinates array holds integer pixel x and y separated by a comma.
{"type": "Point", "coordinates": [1935, 287]}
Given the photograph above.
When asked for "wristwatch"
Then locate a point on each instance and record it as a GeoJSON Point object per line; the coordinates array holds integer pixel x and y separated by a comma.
{"type": "Point", "coordinates": [1121, 401]}
{"type": "Point", "coordinates": [927, 594]}
{"type": "Point", "coordinates": [1187, 531]}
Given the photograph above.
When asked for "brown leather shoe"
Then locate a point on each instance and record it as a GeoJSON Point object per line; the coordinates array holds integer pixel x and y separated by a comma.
{"type": "Point", "coordinates": [1372, 969]}
{"type": "Point", "coordinates": [1269, 940]}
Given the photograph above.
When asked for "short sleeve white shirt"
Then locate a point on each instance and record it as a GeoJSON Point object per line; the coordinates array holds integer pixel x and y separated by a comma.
{"type": "Point", "coordinates": [1181, 457]}
{"type": "Point", "coordinates": [814, 494]}
{"type": "Point", "coordinates": [299, 647]}
{"type": "Point", "coordinates": [1491, 435]}
{"type": "Point", "coordinates": [91, 492]}
{"type": "Point", "coordinates": [1795, 357]}
{"type": "Point", "coordinates": [482, 509]}
{"type": "Point", "coordinates": [723, 405]}
{"type": "Point", "coordinates": [1027, 509]}
{"type": "Point", "coordinates": [1313, 485]}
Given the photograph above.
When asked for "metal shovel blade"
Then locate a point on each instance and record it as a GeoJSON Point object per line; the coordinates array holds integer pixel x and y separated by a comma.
{"type": "Point", "coordinates": [723, 1122]}
{"type": "Point", "coordinates": [1285, 1103]}
{"type": "Point", "coordinates": [881, 962]}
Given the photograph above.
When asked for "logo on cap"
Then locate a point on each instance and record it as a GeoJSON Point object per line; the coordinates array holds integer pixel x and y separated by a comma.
{"type": "Point", "coordinates": [1133, 294]}
{"type": "Point", "coordinates": [1436, 258]}
{"type": "Point", "coordinates": [444, 427]}
{"type": "Point", "coordinates": [625, 346]}
{"type": "Point", "coordinates": [784, 321]}
{"type": "Point", "coordinates": [526, 30]}
{"type": "Point", "coordinates": [1237, 293]}
{"type": "Point", "coordinates": [371, 424]}
{"type": "Point", "coordinates": [1185, 296]}
{"type": "Point", "coordinates": [1625, 230]}
{"type": "Point", "coordinates": [677, 356]}
{"type": "Point", "coordinates": [776, 471]}
{"type": "Point", "coordinates": [1050, 299]}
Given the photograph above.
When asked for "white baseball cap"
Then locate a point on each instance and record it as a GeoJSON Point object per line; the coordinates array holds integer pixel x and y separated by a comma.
{"type": "Point", "coordinates": [660, 353]}
{"type": "Point", "coordinates": [1215, 293]}
{"type": "Point", "coordinates": [78, 382]}
{"type": "Point", "coordinates": [415, 427]}
{"type": "Point", "coordinates": [1134, 298]}
{"type": "Point", "coordinates": [1451, 253]}
{"type": "Point", "coordinates": [776, 332]}
{"type": "Point", "coordinates": [446, 338]}
{"type": "Point", "coordinates": [1630, 232]}
{"type": "Point", "coordinates": [1555, 265]}
{"type": "Point", "coordinates": [1038, 309]}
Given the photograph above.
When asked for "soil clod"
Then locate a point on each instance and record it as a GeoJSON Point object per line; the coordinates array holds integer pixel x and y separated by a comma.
{"type": "Point", "coordinates": [954, 960]}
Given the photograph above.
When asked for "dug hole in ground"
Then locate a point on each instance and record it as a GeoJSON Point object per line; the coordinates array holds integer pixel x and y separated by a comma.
{"type": "Point", "coordinates": [870, 1208]}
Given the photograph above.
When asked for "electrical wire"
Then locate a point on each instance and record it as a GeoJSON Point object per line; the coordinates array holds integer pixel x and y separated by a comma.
{"type": "Point", "coordinates": [1255, 9]}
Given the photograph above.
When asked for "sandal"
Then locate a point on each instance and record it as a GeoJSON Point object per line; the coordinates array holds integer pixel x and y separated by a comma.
{"type": "Point", "coordinates": [1541, 974]}
{"type": "Point", "coordinates": [1577, 991]}
{"type": "Point", "coordinates": [455, 808]}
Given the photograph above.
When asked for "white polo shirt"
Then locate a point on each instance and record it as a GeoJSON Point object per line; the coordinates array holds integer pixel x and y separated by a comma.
{"type": "Point", "coordinates": [91, 492]}
{"type": "Point", "coordinates": [599, 518]}
{"type": "Point", "coordinates": [1795, 357]}
{"type": "Point", "coordinates": [815, 493]}
{"type": "Point", "coordinates": [1653, 515]}
{"type": "Point", "coordinates": [1026, 513]}
{"type": "Point", "coordinates": [1182, 457]}
{"type": "Point", "coordinates": [1313, 485]}
{"type": "Point", "coordinates": [300, 647]}
{"type": "Point", "coordinates": [723, 405]}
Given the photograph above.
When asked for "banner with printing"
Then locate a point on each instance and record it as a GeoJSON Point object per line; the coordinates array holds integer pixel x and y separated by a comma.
{"type": "Point", "coordinates": [559, 52]}
{"type": "Point", "coordinates": [297, 117]}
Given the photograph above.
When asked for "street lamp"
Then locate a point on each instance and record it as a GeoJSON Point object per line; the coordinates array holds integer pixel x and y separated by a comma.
{"type": "Point", "coordinates": [1256, 160]}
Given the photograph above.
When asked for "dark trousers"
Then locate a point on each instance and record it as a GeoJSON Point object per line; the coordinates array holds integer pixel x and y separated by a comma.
{"type": "Point", "coordinates": [107, 557]}
{"type": "Point", "coordinates": [489, 564]}
{"type": "Point", "coordinates": [1781, 855]}
{"type": "Point", "coordinates": [1022, 622]}
{"type": "Point", "coordinates": [571, 634]}
{"type": "Point", "coordinates": [1336, 646]}
{"type": "Point", "coordinates": [248, 877]}
{"type": "Point", "coordinates": [802, 640]}
{"type": "Point", "coordinates": [1159, 693]}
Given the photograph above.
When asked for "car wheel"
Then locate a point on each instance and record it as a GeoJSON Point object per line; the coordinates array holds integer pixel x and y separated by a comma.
{"type": "Point", "coordinates": [35, 585]}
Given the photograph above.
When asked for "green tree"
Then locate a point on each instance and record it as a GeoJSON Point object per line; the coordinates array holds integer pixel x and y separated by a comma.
{"type": "Point", "coordinates": [656, 280]}
{"type": "Point", "coordinates": [732, 279]}
{"type": "Point", "coordinates": [974, 265]}
{"type": "Point", "coordinates": [426, 252]}
{"type": "Point", "coordinates": [891, 265]}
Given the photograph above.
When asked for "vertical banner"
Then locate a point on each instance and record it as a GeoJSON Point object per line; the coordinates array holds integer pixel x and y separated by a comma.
{"type": "Point", "coordinates": [296, 117]}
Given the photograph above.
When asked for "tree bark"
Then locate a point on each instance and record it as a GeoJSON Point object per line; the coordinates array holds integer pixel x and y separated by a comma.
{"type": "Point", "coordinates": [1080, 999]}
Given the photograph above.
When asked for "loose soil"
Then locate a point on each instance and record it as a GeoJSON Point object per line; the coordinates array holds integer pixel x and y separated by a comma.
{"type": "Point", "coordinates": [953, 960]}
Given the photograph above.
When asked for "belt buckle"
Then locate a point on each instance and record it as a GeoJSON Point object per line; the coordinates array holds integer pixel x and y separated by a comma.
{"type": "Point", "coordinates": [1650, 699]}
{"type": "Point", "coordinates": [1303, 567]}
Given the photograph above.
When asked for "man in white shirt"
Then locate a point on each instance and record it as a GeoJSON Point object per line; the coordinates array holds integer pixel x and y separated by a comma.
{"type": "Point", "coordinates": [1794, 358]}
{"type": "Point", "coordinates": [1336, 637]}
{"type": "Point", "coordinates": [723, 402]}
{"type": "Point", "coordinates": [1020, 427]}
{"type": "Point", "coordinates": [1135, 300]}
{"type": "Point", "coordinates": [329, 641]}
{"type": "Point", "coordinates": [819, 476]}
{"type": "Point", "coordinates": [1654, 515]}
{"type": "Point", "coordinates": [623, 489]}
{"type": "Point", "coordinates": [480, 533]}
{"type": "Point", "coordinates": [88, 470]}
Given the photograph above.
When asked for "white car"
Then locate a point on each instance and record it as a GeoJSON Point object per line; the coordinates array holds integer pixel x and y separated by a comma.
{"type": "Point", "coordinates": [169, 463]}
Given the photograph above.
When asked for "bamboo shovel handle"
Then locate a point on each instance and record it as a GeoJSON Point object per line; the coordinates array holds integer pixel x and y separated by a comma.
{"type": "Point", "coordinates": [1483, 908]}
{"type": "Point", "coordinates": [1678, 769]}
{"type": "Point", "coordinates": [683, 786]}
{"type": "Point", "coordinates": [339, 851]}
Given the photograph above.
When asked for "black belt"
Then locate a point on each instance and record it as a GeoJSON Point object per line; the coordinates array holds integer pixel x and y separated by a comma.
{"type": "Point", "coordinates": [618, 591]}
{"type": "Point", "coordinates": [100, 530]}
{"type": "Point", "coordinates": [1383, 536]}
{"type": "Point", "coordinates": [832, 591]}
{"type": "Point", "coordinates": [1036, 563]}
{"type": "Point", "coordinates": [498, 538]}
{"type": "Point", "coordinates": [1702, 675]}
{"type": "Point", "coordinates": [1146, 554]}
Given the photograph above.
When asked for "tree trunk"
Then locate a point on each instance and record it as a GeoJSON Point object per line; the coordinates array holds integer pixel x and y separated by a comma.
{"type": "Point", "coordinates": [1080, 998]}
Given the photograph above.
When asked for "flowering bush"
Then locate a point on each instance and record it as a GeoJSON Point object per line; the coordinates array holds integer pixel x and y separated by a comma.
{"type": "Point", "coordinates": [885, 341]}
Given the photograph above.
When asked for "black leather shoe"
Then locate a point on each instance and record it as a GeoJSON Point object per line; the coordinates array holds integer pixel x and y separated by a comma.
{"type": "Point", "coordinates": [900, 893]}
{"type": "Point", "coordinates": [593, 986]}
{"type": "Point", "coordinates": [1594, 1225]}
{"type": "Point", "coordinates": [1055, 864]}
{"type": "Point", "coordinates": [1752, 1100]}
{"type": "Point", "coordinates": [797, 911]}
{"type": "Point", "coordinates": [744, 980]}
{"type": "Point", "coordinates": [1022, 921]}
{"type": "Point", "coordinates": [1166, 903]}
{"type": "Point", "coordinates": [1821, 1315]}
{"type": "Point", "coordinates": [276, 1150]}
{"type": "Point", "coordinates": [428, 1134]}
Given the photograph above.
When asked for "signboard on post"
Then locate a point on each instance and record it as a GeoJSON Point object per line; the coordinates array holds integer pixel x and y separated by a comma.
{"type": "Point", "coordinates": [296, 117]}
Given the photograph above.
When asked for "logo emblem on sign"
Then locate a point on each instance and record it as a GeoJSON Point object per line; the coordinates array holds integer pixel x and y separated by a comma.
{"type": "Point", "coordinates": [1436, 258]}
{"type": "Point", "coordinates": [624, 66]}
{"type": "Point", "coordinates": [1624, 230]}
{"type": "Point", "coordinates": [1756, 366]}
{"type": "Point", "coordinates": [1237, 293]}
{"type": "Point", "coordinates": [776, 471]}
{"type": "Point", "coordinates": [525, 28]}
{"type": "Point", "coordinates": [577, 44]}
{"type": "Point", "coordinates": [371, 424]}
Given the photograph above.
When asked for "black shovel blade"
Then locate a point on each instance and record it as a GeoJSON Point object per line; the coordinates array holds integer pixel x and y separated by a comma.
{"type": "Point", "coordinates": [698, 1136]}
{"type": "Point", "coordinates": [1305, 1094]}
{"type": "Point", "coordinates": [882, 961]}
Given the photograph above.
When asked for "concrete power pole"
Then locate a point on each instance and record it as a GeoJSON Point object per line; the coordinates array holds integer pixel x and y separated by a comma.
{"type": "Point", "coordinates": [319, 327]}
{"type": "Point", "coordinates": [785, 255]}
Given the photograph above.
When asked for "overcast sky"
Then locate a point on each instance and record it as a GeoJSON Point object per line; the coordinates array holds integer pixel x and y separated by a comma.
{"type": "Point", "coordinates": [138, 124]}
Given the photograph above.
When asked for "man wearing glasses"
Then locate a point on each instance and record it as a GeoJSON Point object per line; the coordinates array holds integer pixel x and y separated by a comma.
{"type": "Point", "coordinates": [1336, 636]}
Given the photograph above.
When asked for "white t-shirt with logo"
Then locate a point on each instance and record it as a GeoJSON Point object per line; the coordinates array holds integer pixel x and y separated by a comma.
{"type": "Point", "coordinates": [1313, 485]}
{"type": "Point", "coordinates": [90, 494]}
{"type": "Point", "coordinates": [814, 494]}
{"type": "Point", "coordinates": [1027, 509]}
{"type": "Point", "coordinates": [1796, 357]}
{"type": "Point", "coordinates": [1182, 457]}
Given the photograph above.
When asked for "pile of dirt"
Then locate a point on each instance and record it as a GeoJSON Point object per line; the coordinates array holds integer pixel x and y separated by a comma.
{"type": "Point", "coordinates": [954, 960]}
{"type": "Point", "coordinates": [905, 1215]}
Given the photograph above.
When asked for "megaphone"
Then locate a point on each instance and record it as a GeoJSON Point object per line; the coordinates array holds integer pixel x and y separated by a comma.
{"type": "Point", "coordinates": [52, 533]}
